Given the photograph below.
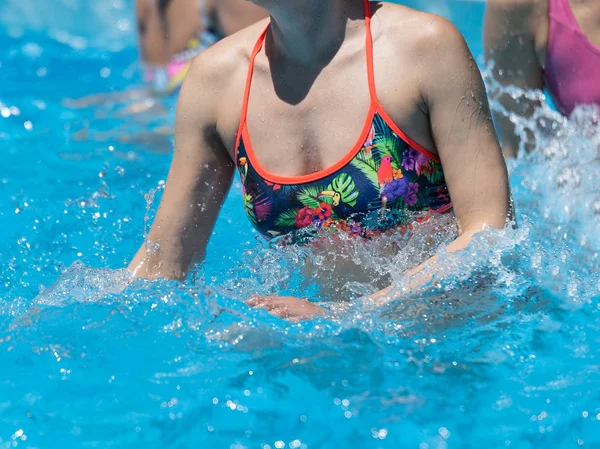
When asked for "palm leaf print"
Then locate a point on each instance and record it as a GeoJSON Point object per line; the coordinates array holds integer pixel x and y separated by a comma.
{"type": "Point", "coordinates": [368, 169]}
{"type": "Point", "coordinates": [262, 207]}
{"type": "Point", "coordinates": [369, 160]}
{"type": "Point", "coordinates": [250, 210]}
{"type": "Point", "coordinates": [388, 143]}
{"type": "Point", "coordinates": [287, 219]}
{"type": "Point", "coordinates": [345, 186]}
{"type": "Point", "coordinates": [421, 199]}
{"type": "Point", "coordinates": [309, 196]}
{"type": "Point", "coordinates": [433, 172]}
{"type": "Point", "coordinates": [398, 205]}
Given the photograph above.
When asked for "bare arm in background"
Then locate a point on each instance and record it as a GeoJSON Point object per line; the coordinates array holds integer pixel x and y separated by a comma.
{"type": "Point", "coordinates": [510, 43]}
{"type": "Point", "coordinates": [198, 182]}
{"type": "Point", "coordinates": [159, 40]}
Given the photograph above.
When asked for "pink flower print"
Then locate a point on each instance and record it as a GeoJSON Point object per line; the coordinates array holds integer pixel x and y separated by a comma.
{"type": "Point", "coordinates": [414, 160]}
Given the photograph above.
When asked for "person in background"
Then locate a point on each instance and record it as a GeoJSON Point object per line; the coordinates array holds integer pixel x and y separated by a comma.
{"type": "Point", "coordinates": [343, 118]}
{"type": "Point", "coordinates": [234, 15]}
{"type": "Point", "coordinates": [537, 44]}
{"type": "Point", "coordinates": [173, 32]}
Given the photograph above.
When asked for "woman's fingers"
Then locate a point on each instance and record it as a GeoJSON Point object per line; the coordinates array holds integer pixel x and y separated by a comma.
{"type": "Point", "coordinates": [267, 303]}
{"type": "Point", "coordinates": [269, 307]}
{"type": "Point", "coordinates": [274, 307]}
{"type": "Point", "coordinates": [256, 300]}
{"type": "Point", "coordinates": [292, 309]}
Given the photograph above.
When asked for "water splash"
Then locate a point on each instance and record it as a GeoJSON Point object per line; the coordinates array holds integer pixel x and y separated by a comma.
{"type": "Point", "coordinates": [83, 284]}
{"type": "Point", "coordinates": [149, 198]}
{"type": "Point", "coordinates": [556, 183]}
{"type": "Point", "coordinates": [502, 353]}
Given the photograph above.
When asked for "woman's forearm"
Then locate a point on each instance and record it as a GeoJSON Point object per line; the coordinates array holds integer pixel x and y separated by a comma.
{"type": "Point", "coordinates": [422, 275]}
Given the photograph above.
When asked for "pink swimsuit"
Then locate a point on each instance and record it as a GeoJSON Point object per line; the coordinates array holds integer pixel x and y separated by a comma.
{"type": "Point", "coordinates": [573, 63]}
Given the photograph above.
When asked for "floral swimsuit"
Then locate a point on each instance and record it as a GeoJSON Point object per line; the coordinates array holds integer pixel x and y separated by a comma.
{"type": "Point", "coordinates": [378, 186]}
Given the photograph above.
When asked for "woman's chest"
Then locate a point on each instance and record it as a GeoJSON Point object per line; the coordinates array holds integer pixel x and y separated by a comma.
{"type": "Point", "coordinates": [296, 131]}
{"type": "Point", "coordinates": [375, 186]}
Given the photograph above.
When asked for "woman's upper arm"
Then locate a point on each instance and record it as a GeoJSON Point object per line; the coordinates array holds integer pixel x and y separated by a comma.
{"type": "Point", "coordinates": [198, 182]}
{"type": "Point", "coordinates": [464, 134]}
{"type": "Point", "coordinates": [510, 50]}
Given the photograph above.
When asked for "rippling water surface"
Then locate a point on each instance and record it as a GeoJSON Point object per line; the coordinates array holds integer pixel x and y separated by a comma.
{"type": "Point", "coordinates": [503, 354]}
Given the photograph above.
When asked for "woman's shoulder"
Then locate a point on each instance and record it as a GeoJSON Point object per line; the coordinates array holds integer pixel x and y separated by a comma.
{"type": "Point", "coordinates": [216, 78]}
{"type": "Point", "coordinates": [221, 63]}
{"type": "Point", "coordinates": [409, 30]}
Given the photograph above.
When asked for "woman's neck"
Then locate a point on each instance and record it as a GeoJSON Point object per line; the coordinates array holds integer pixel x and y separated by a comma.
{"type": "Point", "coordinates": [310, 32]}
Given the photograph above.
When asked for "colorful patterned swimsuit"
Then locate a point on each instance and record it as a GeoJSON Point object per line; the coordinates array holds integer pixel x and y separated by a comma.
{"type": "Point", "coordinates": [380, 185]}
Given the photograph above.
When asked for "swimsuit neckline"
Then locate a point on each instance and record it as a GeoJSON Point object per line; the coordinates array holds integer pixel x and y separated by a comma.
{"type": "Point", "coordinates": [375, 107]}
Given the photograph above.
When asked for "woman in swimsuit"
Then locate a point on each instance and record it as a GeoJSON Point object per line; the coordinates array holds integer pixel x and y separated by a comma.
{"type": "Point", "coordinates": [173, 32]}
{"type": "Point", "coordinates": [339, 116]}
{"type": "Point", "coordinates": [233, 15]}
{"type": "Point", "coordinates": [537, 44]}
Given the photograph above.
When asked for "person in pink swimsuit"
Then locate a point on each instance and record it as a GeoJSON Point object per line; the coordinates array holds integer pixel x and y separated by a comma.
{"type": "Point", "coordinates": [537, 44]}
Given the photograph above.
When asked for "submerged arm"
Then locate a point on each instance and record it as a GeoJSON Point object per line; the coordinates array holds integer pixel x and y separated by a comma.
{"type": "Point", "coordinates": [199, 179]}
{"type": "Point", "coordinates": [464, 135]}
{"type": "Point", "coordinates": [509, 40]}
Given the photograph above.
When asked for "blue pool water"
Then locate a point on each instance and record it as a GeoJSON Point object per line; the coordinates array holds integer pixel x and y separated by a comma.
{"type": "Point", "coordinates": [502, 356]}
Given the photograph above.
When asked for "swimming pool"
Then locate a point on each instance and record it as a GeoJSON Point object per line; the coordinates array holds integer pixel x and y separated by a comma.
{"type": "Point", "coordinates": [502, 358]}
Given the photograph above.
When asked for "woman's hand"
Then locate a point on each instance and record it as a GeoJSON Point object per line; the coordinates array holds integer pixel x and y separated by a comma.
{"type": "Point", "coordinates": [286, 307]}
